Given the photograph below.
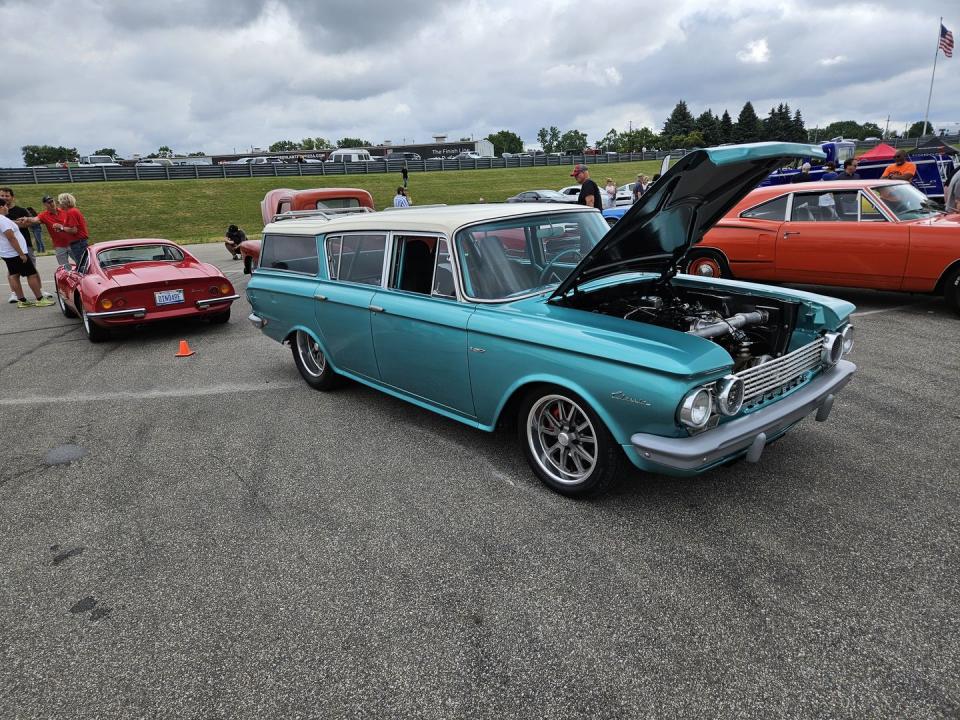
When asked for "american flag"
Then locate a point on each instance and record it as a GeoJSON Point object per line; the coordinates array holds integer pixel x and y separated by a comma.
{"type": "Point", "coordinates": [946, 41]}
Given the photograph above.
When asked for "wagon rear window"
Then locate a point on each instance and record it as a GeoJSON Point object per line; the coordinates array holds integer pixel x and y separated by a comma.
{"type": "Point", "coordinates": [294, 253]}
{"type": "Point", "coordinates": [356, 258]}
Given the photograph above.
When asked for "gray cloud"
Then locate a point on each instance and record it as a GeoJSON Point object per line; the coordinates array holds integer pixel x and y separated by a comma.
{"type": "Point", "coordinates": [205, 75]}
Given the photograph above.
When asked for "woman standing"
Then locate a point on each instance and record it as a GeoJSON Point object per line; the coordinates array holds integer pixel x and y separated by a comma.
{"type": "Point", "coordinates": [609, 194]}
{"type": "Point", "coordinates": [74, 224]}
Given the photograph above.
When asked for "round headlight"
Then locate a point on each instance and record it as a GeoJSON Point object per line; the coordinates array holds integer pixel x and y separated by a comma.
{"type": "Point", "coordinates": [730, 395]}
{"type": "Point", "coordinates": [847, 336]}
{"type": "Point", "coordinates": [696, 407]}
{"type": "Point", "coordinates": [832, 349]}
{"type": "Point", "coordinates": [106, 303]}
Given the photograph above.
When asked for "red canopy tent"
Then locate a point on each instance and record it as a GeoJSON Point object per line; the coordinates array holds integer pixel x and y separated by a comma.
{"type": "Point", "coordinates": [880, 152]}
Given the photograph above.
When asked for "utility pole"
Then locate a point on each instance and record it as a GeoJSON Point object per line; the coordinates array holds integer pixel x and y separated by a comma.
{"type": "Point", "coordinates": [886, 128]}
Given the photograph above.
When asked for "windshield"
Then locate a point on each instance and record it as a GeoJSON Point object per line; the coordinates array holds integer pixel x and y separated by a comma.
{"type": "Point", "coordinates": [139, 253]}
{"type": "Point", "coordinates": [906, 202]}
{"type": "Point", "coordinates": [511, 258]}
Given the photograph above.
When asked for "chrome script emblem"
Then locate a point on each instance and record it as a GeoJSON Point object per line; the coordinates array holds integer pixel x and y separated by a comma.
{"type": "Point", "coordinates": [621, 395]}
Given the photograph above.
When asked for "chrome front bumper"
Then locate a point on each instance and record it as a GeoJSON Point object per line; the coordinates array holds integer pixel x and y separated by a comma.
{"type": "Point", "coordinates": [257, 321]}
{"type": "Point", "coordinates": [749, 432]}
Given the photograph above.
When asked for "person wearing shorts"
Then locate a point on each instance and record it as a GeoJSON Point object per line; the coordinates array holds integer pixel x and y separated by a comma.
{"type": "Point", "coordinates": [13, 250]}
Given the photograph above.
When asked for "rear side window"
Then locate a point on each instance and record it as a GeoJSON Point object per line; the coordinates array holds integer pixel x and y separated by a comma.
{"type": "Point", "coordinates": [771, 210]}
{"type": "Point", "coordinates": [356, 258]}
{"type": "Point", "coordinates": [294, 253]}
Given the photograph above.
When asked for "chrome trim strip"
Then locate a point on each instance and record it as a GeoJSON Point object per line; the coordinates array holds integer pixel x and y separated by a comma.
{"type": "Point", "coordinates": [134, 312]}
{"type": "Point", "coordinates": [728, 439]}
{"type": "Point", "coordinates": [257, 321]}
{"type": "Point", "coordinates": [216, 301]}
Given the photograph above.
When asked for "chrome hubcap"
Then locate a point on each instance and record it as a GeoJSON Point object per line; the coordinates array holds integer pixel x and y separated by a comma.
{"type": "Point", "coordinates": [311, 356]}
{"type": "Point", "coordinates": [562, 439]}
{"type": "Point", "coordinates": [705, 269]}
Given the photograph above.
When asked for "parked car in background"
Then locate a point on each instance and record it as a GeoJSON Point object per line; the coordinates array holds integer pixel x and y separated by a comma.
{"type": "Point", "coordinates": [573, 190]}
{"type": "Point", "coordinates": [402, 156]}
{"type": "Point", "coordinates": [467, 156]}
{"type": "Point", "coordinates": [880, 234]}
{"type": "Point", "coordinates": [281, 201]}
{"type": "Point", "coordinates": [542, 196]}
{"type": "Point", "coordinates": [99, 160]}
{"type": "Point", "coordinates": [349, 155]}
{"type": "Point", "coordinates": [624, 195]}
{"type": "Point", "coordinates": [154, 162]}
{"type": "Point", "coordinates": [593, 348]}
{"type": "Point", "coordinates": [123, 283]}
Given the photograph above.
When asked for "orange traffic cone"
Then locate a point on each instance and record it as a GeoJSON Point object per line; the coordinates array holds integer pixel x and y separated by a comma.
{"type": "Point", "coordinates": [185, 350]}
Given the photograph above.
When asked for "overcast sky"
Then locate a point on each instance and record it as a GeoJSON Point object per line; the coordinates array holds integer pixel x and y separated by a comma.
{"type": "Point", "coordinates": [219, 75]}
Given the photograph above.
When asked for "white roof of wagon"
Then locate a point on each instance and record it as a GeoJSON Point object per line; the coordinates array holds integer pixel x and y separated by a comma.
{"type": "Point", "coordinates": [444, 219]}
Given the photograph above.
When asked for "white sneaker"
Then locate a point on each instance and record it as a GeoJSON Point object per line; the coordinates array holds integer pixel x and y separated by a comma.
{"type": "Point", "coordinates": [13, 298]}
{"type": "Point", "coordinates": [47, 294]}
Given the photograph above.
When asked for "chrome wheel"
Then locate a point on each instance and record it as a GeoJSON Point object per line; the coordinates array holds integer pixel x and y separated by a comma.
{"type": "Point", "coordinates": [562, 439]}
{"type": "Point", "coordinates": [311, 356]}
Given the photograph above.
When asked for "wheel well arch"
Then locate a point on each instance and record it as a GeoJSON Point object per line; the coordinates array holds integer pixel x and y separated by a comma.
{"type": "Point", "coordinates": [699, 251]}
{"type": "Point", "coordinates": [507, 412]}
{"type": "Point", "coordinates": [938, 289]}
{"type": "Point", "coordinates": [288, 338]}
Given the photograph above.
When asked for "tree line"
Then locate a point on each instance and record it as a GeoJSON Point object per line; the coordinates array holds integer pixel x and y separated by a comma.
{"type": "Point", "coordinates": [680, 130]}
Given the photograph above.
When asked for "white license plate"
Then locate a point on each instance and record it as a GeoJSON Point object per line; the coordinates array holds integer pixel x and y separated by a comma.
{"type": "Point", "coordinates": [168, 297]}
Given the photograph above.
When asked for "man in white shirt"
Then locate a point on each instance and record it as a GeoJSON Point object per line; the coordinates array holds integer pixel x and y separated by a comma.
{"type": "Point", "coordinates": [13, 250]}
{"type": "Point", "coordinates": [401, 199]}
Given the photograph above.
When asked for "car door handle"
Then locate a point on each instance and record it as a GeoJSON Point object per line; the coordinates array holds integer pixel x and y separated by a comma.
{"type": "Point", "coordinates": [319, 297]}
{"type": "Point", "coordinates": [375, 308]}
{"type": "Point", "coordinates": [791, 232]}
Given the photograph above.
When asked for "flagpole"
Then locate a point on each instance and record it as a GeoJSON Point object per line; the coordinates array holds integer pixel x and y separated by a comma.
{"type": "Point", "coordinates": [923, 130]}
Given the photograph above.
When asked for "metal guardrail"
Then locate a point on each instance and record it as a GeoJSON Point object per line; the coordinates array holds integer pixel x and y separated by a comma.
{"type": "Point", "coordinates": [41, 175]}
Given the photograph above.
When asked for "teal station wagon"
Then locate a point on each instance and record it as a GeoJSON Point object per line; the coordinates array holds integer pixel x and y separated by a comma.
{"type": "Point", "coordinates": [587, 340]}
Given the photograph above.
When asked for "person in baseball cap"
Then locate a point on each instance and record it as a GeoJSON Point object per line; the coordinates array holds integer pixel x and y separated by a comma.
{"type": "Point", "coordinates": [589, 190]}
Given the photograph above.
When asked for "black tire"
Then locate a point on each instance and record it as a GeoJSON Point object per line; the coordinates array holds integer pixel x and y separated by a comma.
{"type": "Point", "coordinates": [94, 332]}
{"type": "Point", "coordinates": [64, 308]}
{"type": "Point", "coordinates": [219, 318]}
{"type": "Point", "coordinates": [312, 363]}
{"type": "Point", "coordinates": [577, 426]}
{"type": "Point", "coordinates": [951, 290]}
{"type": "Point", "coordinates": [706, 258]}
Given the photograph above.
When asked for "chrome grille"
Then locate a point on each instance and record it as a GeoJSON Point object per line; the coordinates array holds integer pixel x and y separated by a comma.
{"type": "Point", "coordinates": [782, 373]}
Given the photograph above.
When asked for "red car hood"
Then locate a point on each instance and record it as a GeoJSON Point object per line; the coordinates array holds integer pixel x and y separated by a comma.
{"type": "Point", "coordinates": [148, 273]}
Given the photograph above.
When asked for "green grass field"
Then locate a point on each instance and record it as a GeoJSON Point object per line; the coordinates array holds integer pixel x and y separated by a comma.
{"type": "Point", "coordinates": [196, 211]}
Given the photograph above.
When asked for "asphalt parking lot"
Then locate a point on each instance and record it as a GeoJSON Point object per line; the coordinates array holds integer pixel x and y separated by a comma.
{"type": "Point", "coordinates": [232, 544]}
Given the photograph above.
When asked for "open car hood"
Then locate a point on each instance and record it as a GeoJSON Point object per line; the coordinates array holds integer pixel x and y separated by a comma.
{"type": "Point", "coordinates": [680, 207]}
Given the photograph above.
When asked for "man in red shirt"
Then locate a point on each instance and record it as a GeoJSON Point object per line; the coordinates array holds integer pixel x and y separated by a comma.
{"type": "Point", "coordinates": [54, 219]}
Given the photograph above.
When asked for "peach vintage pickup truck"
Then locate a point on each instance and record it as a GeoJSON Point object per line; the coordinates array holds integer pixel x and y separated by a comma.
{"type": "Point", "coordinates": [283, 201]}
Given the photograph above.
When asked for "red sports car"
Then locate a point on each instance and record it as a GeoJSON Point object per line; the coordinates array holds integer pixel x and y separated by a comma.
{"type": "Point", "coordinates": [881, 234]}
{"type": "Point", "coordinates": [130, 282]}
